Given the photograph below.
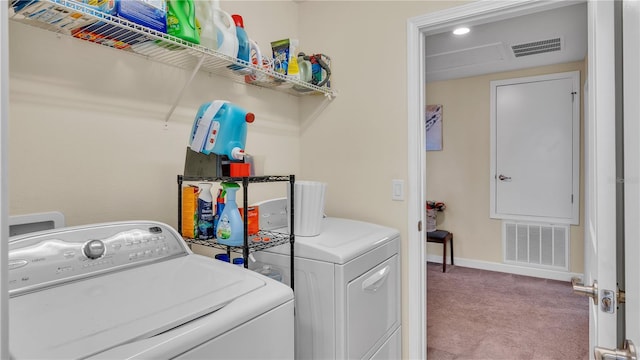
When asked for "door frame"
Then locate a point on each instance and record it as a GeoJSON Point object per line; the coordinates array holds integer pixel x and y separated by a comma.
{"type": "Point", "coordinates": [632, 166]}
{"type": "Point", "coordinates": [4, 193]}
{"type": "Point", "coordinates": [417, 29]}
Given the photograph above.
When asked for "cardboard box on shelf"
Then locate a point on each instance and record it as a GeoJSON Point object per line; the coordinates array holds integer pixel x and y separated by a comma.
{"type": "Point", "coordinates": [253, 219]}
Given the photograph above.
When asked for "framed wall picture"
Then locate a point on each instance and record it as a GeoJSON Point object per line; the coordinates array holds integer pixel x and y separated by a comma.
{"type": "Point", "coordinates": [433, 127]}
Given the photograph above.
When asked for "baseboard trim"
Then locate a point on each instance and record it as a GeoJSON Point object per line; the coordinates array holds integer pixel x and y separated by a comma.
{"type": "Point", "coordinates": [510, 268]}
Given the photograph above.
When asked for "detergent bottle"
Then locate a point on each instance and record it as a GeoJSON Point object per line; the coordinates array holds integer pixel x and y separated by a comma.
{"type": "Point", "coordinates": [204, 16]}
{"type": "Point", "coordinates": [220, 127]}
{"type": "Point", "coordinates": [225, 30]}
{"type": "Point", "coordinates": [293, 71]}
{"type": "Point", "coordinates": [257, 61]}
{"type": "Point", "coordinates": [181, 20]}
{"type": "Point", "coordinates": [230, 230]}
{"type": "Point", "coordinates": [205, 212]}
{"type": "Point", "coordinates": [244, 50]}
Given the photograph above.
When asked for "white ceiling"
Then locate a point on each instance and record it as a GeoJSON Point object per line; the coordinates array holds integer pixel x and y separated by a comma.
{"type": "Point", "coordinates": [488, 47]}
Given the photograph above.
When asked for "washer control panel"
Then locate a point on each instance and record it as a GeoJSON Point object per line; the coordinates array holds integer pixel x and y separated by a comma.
{"type": "Point", "coordinates": [48, 258]}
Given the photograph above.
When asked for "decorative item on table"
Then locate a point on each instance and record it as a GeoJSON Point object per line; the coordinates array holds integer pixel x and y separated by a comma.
{"type": "Point", "coordinates": [437, 205]}
{"type": "Point", "coordinates": [432, 207]}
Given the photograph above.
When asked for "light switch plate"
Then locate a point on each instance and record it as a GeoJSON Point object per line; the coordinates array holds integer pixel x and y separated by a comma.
{"type": "Point", "coordinates": [397, 190]}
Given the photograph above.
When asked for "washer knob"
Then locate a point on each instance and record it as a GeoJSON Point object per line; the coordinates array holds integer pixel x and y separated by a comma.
{"type": "Point", "coordinates": [93, 249]}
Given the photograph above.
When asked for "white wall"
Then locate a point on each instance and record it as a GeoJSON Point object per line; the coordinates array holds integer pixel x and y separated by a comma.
{"type": "Point", "coordinates": [87, 124]}
{"type": "Point", "coordinates": [87, 134]}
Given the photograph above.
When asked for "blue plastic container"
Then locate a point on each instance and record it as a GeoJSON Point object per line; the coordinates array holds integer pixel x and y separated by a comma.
{"type": "Point", "coordinates": [220, 127]}
{"type": "Point", "coordinates": [222, 257]}
{"type": "Point", "coordinates": [244, 47]}
{"type": "Point", "coordinates": [151, 14]}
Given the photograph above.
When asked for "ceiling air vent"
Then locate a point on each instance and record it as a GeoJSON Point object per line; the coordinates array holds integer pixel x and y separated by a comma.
{"type": "Point", "coordinates": [536, 47]}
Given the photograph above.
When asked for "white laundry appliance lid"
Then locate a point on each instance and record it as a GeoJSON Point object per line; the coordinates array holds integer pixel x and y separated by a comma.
{"type": "Point", "coordinates": [84, 318]}
{"type": "Point", "coordinates": [340, 240]}
{"type": "Point", "coordinates": [103, 310]}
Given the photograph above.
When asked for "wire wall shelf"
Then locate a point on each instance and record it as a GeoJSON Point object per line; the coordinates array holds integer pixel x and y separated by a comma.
{"type": "Point", "coordinates": [81, 21]}
{"type": "Point", "coordinates": [261, 241]}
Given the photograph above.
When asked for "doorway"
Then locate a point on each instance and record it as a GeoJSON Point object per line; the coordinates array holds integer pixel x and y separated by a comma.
{"type": "Point", "coordinates": [417, 30]}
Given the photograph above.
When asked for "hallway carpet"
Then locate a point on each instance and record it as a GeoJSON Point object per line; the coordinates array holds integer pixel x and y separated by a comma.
{"type": "Point", "coordinates": [478, 314]}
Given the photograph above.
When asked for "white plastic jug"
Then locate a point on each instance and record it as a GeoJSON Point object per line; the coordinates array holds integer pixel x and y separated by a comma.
{"type": "Point", "coordinates": [205, 16]}
{"type": "Point", "coordinates": [226, 31]}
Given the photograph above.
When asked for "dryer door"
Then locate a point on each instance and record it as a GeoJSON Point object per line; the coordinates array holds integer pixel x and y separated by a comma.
{"type": "Point", "coordinates": [373, 308]}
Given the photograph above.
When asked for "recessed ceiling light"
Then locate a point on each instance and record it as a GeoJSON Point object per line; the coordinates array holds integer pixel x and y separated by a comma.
{"type": "Point", "coordinates": [461, 31]}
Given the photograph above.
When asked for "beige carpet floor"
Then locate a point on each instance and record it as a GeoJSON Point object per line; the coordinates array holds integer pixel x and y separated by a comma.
{"type": "Point", "coordinates": [477, 314]}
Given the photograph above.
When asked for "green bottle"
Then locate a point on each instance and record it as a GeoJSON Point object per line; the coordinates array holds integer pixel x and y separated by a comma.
{"type": "Point", "coordinates": [181, 20]}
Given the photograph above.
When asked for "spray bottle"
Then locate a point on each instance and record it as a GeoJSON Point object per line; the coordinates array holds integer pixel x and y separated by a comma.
{"type": "Point", "coordinates": [205, 212]}
{"type": "Point", "coordinates": [219, 208]}
{"type": "Point", "coordinates": [230, 229]}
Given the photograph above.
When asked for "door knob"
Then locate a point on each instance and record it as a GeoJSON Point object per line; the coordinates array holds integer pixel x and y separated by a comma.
{"type": "Point", "coordinates": [504, 178]}
{"type": "Point", "coordinates": [628, 352]}
{"type": "Point", "coordinates": [590, 291]}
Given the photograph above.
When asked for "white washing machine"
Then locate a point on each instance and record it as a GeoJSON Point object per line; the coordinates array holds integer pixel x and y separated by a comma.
{"type": "Point", "coordinates": [347, 288]}
{"type": "Point", "coordinates": [134, 290]}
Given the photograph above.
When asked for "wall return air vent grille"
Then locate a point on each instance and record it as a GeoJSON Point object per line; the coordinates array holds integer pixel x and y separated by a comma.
{"type": "Point", "coordinates": [536, 245]}
{"type": "Point", "coordinates": [537, 47]}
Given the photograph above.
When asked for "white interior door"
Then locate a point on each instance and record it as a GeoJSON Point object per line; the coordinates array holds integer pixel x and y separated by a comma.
{"type": "Point", "coordinates": [601, 259]}
{"type": "Point", "coordinates": [631, 45]}
{"type": "Point", "coordinates": [600, 184]}
{"type": "Point", "coordinates": [536, 148]}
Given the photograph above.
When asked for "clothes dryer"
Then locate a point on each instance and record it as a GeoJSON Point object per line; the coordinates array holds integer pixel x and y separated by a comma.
{"type": "Point", "coordinates": [347, 288]}
{"type": "Point", "coordinates": [135, 290]}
